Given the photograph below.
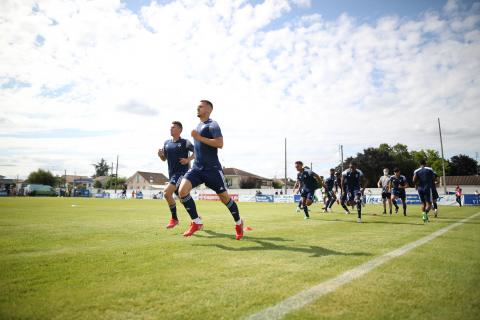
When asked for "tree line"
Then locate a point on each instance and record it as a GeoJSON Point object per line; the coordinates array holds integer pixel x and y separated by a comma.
{"type": "Point", "coordinates": [373, 160]}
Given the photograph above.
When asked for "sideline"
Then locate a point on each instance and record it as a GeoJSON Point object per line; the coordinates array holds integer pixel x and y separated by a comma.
{"type": "Point", "coordinates": [307, 296]}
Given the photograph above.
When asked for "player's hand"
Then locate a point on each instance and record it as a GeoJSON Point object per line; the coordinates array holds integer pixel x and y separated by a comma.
{"type": "Point", "coordinates": [195, 135]}
{"type": "Point", "coordinates": [184, 161]}
{"type": "Point", "coordinates": [161, 153]}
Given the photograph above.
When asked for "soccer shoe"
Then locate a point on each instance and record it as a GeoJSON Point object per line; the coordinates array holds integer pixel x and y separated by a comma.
{"type": "Point", "coordinates": [424, 217]}
{"type": "Point", "coordinates": [359, 220]}
{"type": "Point", "coordinates": [194, 227]}
{"type": "Point", "coordinates": [329, 209]}
{"type": "Point", "coordinates": [347, 212]}
{"type": "Point", "coordinates": [384, 212]}
{"type": "Point", "coordinates": [435, 213]}
{"type": "Point", "coordinates": [396, 210]}
{"type": "Point", "coordinates": [298, 209]}
{"type": "Point", "coordinates": [306, 218]}
{"type": "Point", "coordinates": [239, 231]}
{"type": "Point", "coordinates": [172, 223]}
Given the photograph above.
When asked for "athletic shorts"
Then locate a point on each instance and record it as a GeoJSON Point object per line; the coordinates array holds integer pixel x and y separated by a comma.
{"type": "Point", "coordinates": [425, 195]}
{"type": "Point", "coordinates": [176, 179]}
{"type": "Point", "coordinates": [307, 194]}
{"type": "Point", "coordinates": [386, 195]}
{"type": "Point", "coordinates": [399, 193]}
{"type": "Point", "coordinates": [213, 179]}
{"type": "Point", "coordinates": [330, 194]}
{"type": "Point", "coordinates": [435, 195]}
{"type": "Point", "coordinates": [351, 195]}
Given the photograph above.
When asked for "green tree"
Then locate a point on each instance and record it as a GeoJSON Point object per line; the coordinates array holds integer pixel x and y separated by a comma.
{"type": "Point", "coordinates": [110, 183]}
{"type": "Point", "coordinates": [463, 165]}
{"type": "Point", "coordinates": [41, 177]}
{"type": "Point", "coordinates": [97, 184]}
{"type": "Point", "coordinates": [101, 168]}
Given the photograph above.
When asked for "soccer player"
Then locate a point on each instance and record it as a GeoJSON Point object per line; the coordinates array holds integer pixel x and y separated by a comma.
{"type": "Point", "coordinates": [331, 188]}
{"type": "Point", "coordinates": [435, 196]}
{"type": "Point", "coordinates": [176, 152]}
{"type": "Point", "coordinates": [352, 190]}
{"type": "Point", "coordinates": [423, 178]}
{"type": "Point", "coordinates": [458, 195]}
{"type": "Point", "coordinates": [207, 169]}
{"type": "Point", "coordinates": [397, 185]}
{"type": "Point", "coordinates": [386, 195]}
{"type": "Point", "coordinates": [310, 181]}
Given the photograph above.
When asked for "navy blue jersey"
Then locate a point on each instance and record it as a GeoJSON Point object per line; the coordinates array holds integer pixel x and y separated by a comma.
{"type": "Point", "coordinates": [425, 177]}
{"type": "Point", "coordinates": [174, 151]}
{"type": "Point", "coordinates": [397, 182]}
{"type": "Point", "coordinates": [206, 157]}
{"type": "Point", "coordinates": [307, 179]}
{"type": "Point", "coordinates": [351, 180]}
{"type": "Point", "coordinates": [331, 182]}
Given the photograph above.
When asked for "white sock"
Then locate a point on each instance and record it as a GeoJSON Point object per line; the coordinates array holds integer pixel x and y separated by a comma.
{"type": "Point", "coordinates": [197, 220]}
{"type": "Point", "coordinates": [239, 222]}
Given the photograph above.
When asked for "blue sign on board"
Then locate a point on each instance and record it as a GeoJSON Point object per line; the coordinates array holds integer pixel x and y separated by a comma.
{"type": "Point", "coordinates": [264, 198]}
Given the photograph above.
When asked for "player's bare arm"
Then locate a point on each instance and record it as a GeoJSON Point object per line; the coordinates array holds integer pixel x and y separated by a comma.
{"type": "Point", "coordinates": [216, 142]}
{"type": "Point", "coordinates": [161, 154]}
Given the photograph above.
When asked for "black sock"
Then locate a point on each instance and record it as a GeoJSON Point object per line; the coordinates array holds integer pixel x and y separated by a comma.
{"type": "Point", "coordinates": [173, 211]}
{"type": "Point", "coordinates": [331, 203]}
{"type": "Point", "coordinates": [359, 209]}
{"type": "Point", "coordinates": [345, 207]}
{"type": "Point", "coordinates": [189, 205]}
{"type": "Point", "coordinates": [300, 204]}
{"type": "Point", "coordinates": [435, 206]}
{"type": "Point", "coordinates": [232, 206]}
{"type": "Point", "coordinates": [395, 203]}
{"type": "Point", "coordinates": [305, 209]}
{"type": "Point", "coordinates": [404, 208]}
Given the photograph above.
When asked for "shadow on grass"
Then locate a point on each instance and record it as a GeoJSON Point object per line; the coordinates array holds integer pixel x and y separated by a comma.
{"type": "Point", "coordinates": [267, 244]}
{"type": "Point", "coordinates": [381, 222]}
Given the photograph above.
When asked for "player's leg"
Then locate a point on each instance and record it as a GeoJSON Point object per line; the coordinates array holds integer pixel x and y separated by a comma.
{"type": "Point", "coordinates": [334, 198]}
{"type": "Point", "coordinates": [358, 202]}
{"type": "Point", "coordinates": [306, 203]}
{"type": "Point", "coordinates": [394, 201]}
{"type": "Point", "coordinates": [389, 199]}
{"type": "Point", "coordinates": [215, 180]}
{"type": "Point", "coordinates": [384, 201]}
{"type": "Point", "coordinates": [343, 202]}
{"type": "Point", "coordinates": [192, 179]}
{"type": "Point", "coordinates": [404, 203]}
{"type": "Point", "coordinates": [169, 190]}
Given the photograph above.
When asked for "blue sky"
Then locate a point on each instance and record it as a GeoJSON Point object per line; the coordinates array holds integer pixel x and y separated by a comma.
{"type": "Point", "coordinates": [84, 80]}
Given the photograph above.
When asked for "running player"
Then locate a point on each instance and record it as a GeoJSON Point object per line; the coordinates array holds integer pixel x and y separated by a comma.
{"type": "Point", "coordinates": [176, 152]}
{"type": "Point", "coordinates": [207, 169]}
{"type": "Point", "coordinates": [310, 181]}
{"type": "Point", "coordinates": [397, 185]}
{"type": "Point", "coordinates": [386, 195]}
{"type": "Point", "coordinates": [435, 196]}
{"type": "Point", "coordinates": [331, 188]}
{"type": "Point", "coordinates": [423, 178]}
{"type": "Point", "coordinates": [352, 189]}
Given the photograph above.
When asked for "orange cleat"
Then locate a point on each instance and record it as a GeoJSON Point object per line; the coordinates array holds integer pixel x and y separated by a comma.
{"type": "Point", "coordinates": [239, 230]}
{"type": "Point", "coordinates": [172, 223]}
{"type": "Point", "coordinates": [194, 227]}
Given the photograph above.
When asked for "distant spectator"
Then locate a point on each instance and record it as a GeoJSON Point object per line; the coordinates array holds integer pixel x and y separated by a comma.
{"type": "Point", "coordinates": [133, 194]}
{"type": "Point", "coordinates": [458, 195]}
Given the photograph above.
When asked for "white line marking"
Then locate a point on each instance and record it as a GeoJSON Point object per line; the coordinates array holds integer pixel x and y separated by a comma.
{"type": "Point", "coordinates": [309, 295]}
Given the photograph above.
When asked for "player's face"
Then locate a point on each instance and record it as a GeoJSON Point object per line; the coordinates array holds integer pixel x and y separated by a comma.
{"type": "Point", "coordinates": [385, 172]}
{"type": "Point", "coordinates": [203, 110]}
{"type": "Point", "coordinates": [175, 130]}
{"type": "Point", "coordinates": [353, 167]}
{"type": "Point", "coordinates": [298, 166]}
{"type": "Point", "coordinates": [397, 174]}
{"type": "Point", "coordinates": [332, 172]}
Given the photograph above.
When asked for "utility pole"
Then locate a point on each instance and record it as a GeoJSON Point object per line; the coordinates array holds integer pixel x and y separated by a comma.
{"type": "Point", "coordinates": [285, 165]}
{"type": "Point", "coordinates": [443, 158]}
{"type": "Point", "coordinates": [116, 176]}
{"type": "Point", "coordinates": [341, 157]}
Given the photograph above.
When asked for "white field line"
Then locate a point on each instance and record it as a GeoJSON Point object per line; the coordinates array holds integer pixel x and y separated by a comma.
{"type": "Point", "coordinates": [307, 296]}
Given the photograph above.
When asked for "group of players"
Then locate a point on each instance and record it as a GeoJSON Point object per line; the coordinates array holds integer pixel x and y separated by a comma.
{"type": "Point", "coordinates": [351, 186]}
{"type": "Point", "coordinates": [206, 168]}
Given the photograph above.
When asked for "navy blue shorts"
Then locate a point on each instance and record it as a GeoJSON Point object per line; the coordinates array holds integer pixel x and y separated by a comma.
{"type": "Point", "coordinates": [307, 194]}
{"type": "Point", "coordinates": [350, 195]}
{"type": "Point", "coordinates": [176, 179]}
{"type": "Point", "coordinates": [425, 195]}
{"type": "Point", "coordinates": [213, 179]}
{"type": "Point", "coordinates": [399, 193]}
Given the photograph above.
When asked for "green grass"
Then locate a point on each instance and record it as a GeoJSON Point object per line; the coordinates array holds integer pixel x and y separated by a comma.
{"type": "Point", "coordinates": [113, 259]}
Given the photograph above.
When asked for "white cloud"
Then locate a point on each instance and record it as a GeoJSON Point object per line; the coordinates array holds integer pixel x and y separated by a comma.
{"type": "Point", "coordinates": [319, 83]}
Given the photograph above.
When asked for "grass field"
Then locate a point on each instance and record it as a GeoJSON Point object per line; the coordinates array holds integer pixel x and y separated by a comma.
{"type": "Point", "coordinates": [70, 258]}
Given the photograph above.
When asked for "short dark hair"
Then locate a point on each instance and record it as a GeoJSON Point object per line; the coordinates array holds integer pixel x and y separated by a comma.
{"type": "Point", "coordinates": [396, 170]}
{"type": "Point", "coordinates": [299, 162]}
{"type": "Point", "coordinates": [178, 124]}
{"type": "Point", "coordinates": [353, 163]}
{"type": "Point", "coordinates": [423, 162]}
{"type": "Point", "coordinates": [207, 102]}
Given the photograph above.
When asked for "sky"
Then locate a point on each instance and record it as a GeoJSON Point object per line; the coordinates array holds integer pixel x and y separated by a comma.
{"type": "Point", "coordinates": [83, 80]}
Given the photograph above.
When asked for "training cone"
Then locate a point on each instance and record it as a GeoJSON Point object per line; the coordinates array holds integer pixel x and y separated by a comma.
{"type": "Point", "coordinates": [247, 229]}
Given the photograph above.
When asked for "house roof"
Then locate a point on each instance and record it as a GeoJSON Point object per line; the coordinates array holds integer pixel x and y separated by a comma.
{"type": "Point", "coordinates": [69, 178]}
{"type": "Point", "coordinates": [238, 172]}
{"type": "Point", "coordinates": [152, 177]}
{"type": "Point", "coordinates": [462, 180]}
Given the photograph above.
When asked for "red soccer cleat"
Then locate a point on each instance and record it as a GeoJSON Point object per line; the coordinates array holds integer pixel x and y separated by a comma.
{"type": "Point", "coordinates": [194, 227]}
{"type": "Point", "coordinates": [239, 230]}
{"type": "Point", "coordinates": [172, 223]}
